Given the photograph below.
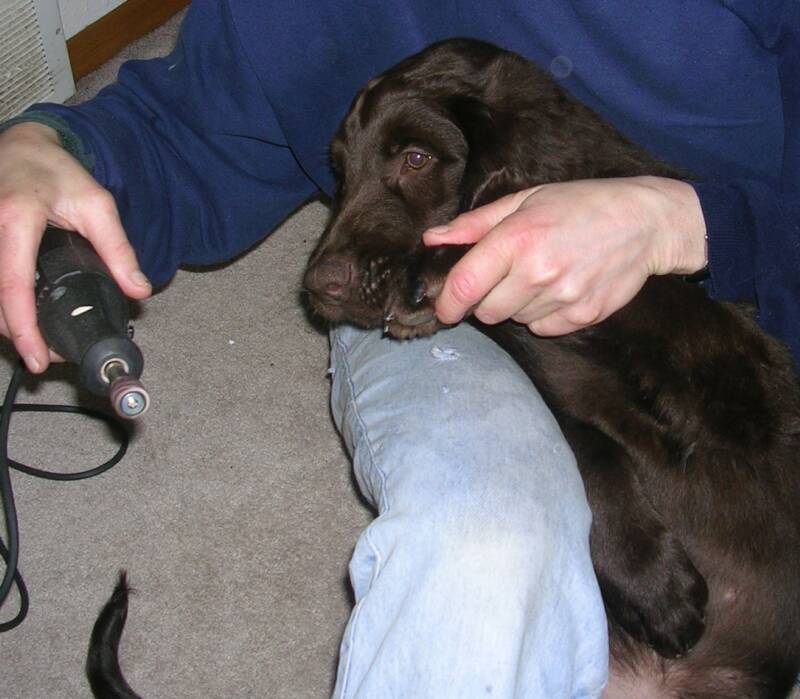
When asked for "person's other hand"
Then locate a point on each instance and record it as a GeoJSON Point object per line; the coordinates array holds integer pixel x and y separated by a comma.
{"type": "Point", "coordinates": [39, 183]}
{"type": "Point", "coordinates": [562, 256]}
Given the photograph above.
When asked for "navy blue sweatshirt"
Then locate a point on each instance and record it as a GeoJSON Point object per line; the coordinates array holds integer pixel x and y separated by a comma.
{"type": "Point", "coordinates": [207, 148]}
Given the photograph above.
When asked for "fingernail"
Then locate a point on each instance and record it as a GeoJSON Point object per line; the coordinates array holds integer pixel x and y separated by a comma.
{"type": "Point", "coordinates": [438, 230]}
{"type": "Point", "coordinates": [33, 364]}
{"type": "Point", "coordinates": [139, 279]}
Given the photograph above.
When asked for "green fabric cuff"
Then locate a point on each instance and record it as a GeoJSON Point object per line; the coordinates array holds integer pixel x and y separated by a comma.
{"type": "Point", "coordinates": [70, 141]}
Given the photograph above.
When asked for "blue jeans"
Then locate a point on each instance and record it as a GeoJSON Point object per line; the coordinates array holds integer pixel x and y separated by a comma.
{"type": "Point", "coordinates": [475, 579]}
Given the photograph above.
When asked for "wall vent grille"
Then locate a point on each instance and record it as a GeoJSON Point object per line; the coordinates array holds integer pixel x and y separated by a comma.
{"type": "Point", "coordinates": [33, 56]}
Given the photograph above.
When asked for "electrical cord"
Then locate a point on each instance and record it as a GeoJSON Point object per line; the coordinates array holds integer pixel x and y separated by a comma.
{"type": "Point", "coordinates": [10, 553]}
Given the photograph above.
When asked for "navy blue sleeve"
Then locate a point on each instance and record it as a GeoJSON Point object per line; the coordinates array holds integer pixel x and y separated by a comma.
{"type": "Point", "coordinates": [754, 252]}
{"type": "Point", "coordinates": [754, 226]}
{"type": "Point", "coordinates": [190, 148]}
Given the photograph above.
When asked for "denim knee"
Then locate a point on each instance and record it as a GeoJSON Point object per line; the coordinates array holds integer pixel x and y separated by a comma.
{"type": "Point", "coordinates": [475, 578]}
{"type": "Point", "coordinates": [448, 408]}
{"type": "Point", "coordinates": [460, 454]}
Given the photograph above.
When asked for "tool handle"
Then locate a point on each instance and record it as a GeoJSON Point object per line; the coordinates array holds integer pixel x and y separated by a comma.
{"type": "Point", "coordinates": [83, 314]}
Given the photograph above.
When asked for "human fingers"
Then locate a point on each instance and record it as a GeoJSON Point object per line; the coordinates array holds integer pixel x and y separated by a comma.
{"type": "Point", "coordinates": [53, 356]}
{"type": "Point", "coordinates": [20, 233]}
{"type": "Point", "coordinates": [562, 319]}
{"type": "Point", "coordinates": [41, 183]}
{"type": "Point", "coordinates": [511, 296]}
{"type": "Point", "coordinates": [473, 225]}
{"type": "Point", "coordinates": [483, 267]}
{"type": "Point", "coordinates": [98, 221]}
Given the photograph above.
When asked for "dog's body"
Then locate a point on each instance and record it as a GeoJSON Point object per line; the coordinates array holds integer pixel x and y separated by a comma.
{"type": "Point", "coordinates": [683, 415]}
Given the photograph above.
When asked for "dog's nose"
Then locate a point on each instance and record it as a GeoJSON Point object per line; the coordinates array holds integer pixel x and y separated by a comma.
{"type": "Point", "coordinates": [329, 278]}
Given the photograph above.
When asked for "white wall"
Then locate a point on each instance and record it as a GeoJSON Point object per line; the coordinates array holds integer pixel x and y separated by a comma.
{"type": "Point", "coordinates": [77, 14]}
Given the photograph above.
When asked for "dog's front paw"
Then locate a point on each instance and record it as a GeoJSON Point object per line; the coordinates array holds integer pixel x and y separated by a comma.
{"type": "Point", "coordinates": [664, 606]}
{"type": "Point", "coordinates": [409, 310]}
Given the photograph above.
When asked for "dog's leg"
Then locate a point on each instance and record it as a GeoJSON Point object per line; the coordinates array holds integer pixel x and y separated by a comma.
{"type": "Point", "coordinates": [414, 285]}
{"type": "Point", "coordinates": [650, 585]}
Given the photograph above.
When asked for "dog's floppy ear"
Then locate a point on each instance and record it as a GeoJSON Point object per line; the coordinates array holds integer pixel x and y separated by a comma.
{"type": "Point", "coordinates": [476, 122]}
{"type": "Point", "coordinates": [488, 172]}
{"type": "Point", "coordinates": [475, 119]}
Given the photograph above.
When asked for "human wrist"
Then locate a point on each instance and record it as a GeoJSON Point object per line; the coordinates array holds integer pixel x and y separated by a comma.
{"type": "Point", "coordinates": [31, 130]}
{"type": "Point", "coordinates": [43, 124]}
{"type": "Point", "coordinates": [680, 227]}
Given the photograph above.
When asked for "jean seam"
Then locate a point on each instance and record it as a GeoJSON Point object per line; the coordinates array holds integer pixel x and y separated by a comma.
{"type": "Point", "coordinates": [383, 506]}
{"type": "Point", "coordinates": [357, 611]}
{"type": "Point", "coordinates": [593, 695]}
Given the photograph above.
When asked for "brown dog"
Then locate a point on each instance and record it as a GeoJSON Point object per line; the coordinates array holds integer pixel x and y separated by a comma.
{"type": "Point", "coordinates": [683, 415]}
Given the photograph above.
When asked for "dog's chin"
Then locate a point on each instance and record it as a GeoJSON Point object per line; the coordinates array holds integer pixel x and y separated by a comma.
{"type": "Point", "coordinates": [417, 324]}
{"type": "Point", "coordinates": [335, 314]}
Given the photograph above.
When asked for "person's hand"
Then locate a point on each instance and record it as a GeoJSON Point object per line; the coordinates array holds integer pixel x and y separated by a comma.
{"type": "Point", "coordinates": [559, 257]}
{"type": "Point", "coordinates": [39, 183]}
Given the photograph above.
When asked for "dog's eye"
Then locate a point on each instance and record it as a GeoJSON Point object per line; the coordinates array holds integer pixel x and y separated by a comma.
{"type": "Point", "coordinates": [417, 160]}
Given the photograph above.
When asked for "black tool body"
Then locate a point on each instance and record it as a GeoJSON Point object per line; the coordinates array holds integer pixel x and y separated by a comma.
{"type": "Point", "coordinates": [84, 317]}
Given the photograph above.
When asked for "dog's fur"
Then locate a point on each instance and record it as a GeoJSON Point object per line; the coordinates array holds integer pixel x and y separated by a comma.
{"type": "Point", "coordinates": [683, 415]}
{"type": "Point", "coordinates": [102, 664]}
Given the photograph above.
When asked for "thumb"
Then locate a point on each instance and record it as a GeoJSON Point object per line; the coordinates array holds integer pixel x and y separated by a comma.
{"type": "Point", "coordinates": [103, 229]}
{"type": "Point", "coordinates": [473, 225]}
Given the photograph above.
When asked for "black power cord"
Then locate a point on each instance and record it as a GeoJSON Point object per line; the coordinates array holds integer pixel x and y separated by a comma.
{"type": "Point", "coordinates": [10, 553]}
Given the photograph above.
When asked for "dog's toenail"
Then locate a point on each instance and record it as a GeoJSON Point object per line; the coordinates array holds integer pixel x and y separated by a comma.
{"type": "Point", "coordinates": [420, 289]}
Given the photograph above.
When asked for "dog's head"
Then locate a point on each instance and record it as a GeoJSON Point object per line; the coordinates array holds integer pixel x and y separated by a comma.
{"type": "Point", "coordinates": [406, 159]}
{"type": "Point", "coordinates": [457, 125]}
